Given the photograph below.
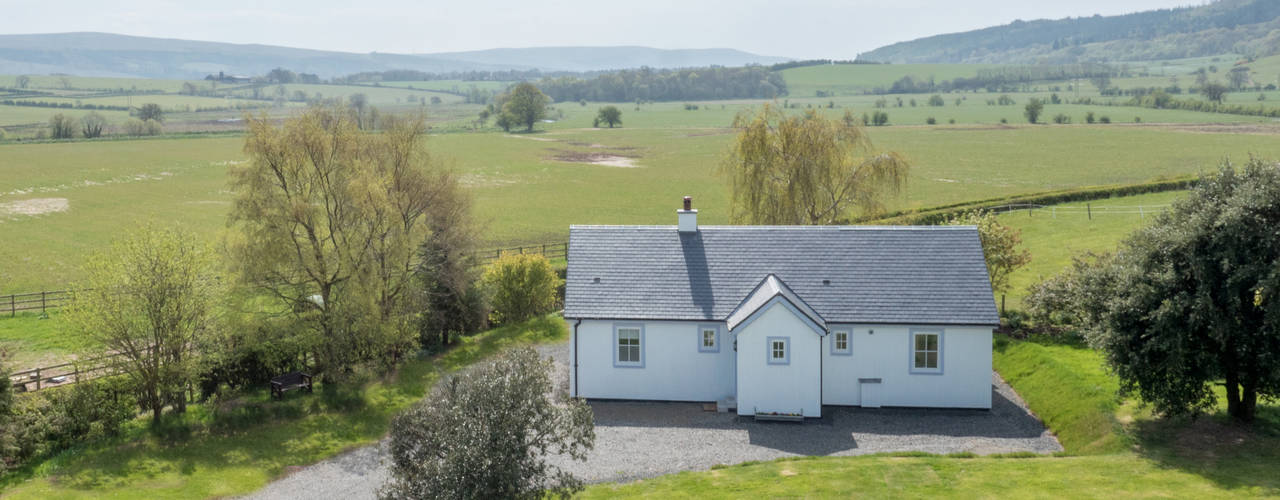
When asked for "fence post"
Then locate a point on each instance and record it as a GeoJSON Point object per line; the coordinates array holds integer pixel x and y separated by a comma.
{"type": "Point", "coordinates": [38, 379]}
{"type": "Point", "coordinates": [1089, 207]}
{"type": "Point", "coordinates": [42, 303]}
{"type": "Point", "coordinates": [13, 306]}
{"type": "Point", "coordinates": [544, 249]}
{"type": "Point", "coordinates": [1140, 214]}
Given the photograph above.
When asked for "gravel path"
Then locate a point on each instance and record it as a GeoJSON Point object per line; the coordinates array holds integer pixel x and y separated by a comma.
{"type": "Point", "coordinates": [636, 440]}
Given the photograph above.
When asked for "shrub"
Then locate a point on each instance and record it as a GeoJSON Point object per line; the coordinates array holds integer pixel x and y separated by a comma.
{"type": "Point", "coordinates": [1061, 119]}
{"type": "Point", "coordinates": [1088, 118]}
{"type": "Point", "coordinates": [930, 121]}
{"type": "Point", "coordinates": [1104, 119]}
{"type": "Point", "coordinates": [486, 432]}
{"type": "Point", "coordinates": [55, 419]}
{"type": "Point", "coordinates": [936, 100]}
{"type": "Point", "coordinates": [520, 287]}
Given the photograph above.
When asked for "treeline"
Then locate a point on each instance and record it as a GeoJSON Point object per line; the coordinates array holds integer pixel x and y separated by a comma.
{"type": "Point", "coordinates": [1162, 100]}
{"type": "Point", "coordinates": [62, 105]}
{"type": "Point", "coordinates": [408, 75]}
{"type": "Point", "coordinates": [1006, 79]}
{"type": "Point", "coordinates": [647, 84]}
{"type": "Point", "coordinates": [815, 62]}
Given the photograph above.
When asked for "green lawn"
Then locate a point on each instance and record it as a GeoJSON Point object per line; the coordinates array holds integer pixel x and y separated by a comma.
{"type": "Point", "coordinates": [241, 445]}
{"type": "Point", "coordinates": [1113, 451]}
{"type": "Point", "coordinates": [29, 340]}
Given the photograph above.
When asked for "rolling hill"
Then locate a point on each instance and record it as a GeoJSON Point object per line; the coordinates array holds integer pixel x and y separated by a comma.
{"type": "Point", "coordinates": [1249, 27]}
{"type": "Point", "coordinates": [105, 54]}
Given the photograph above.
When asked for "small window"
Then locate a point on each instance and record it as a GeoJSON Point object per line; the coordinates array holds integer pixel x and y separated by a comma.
{"type": "Point", "coordinates": [709, 338]}
{"type": "Point", "coordinates": [840, 342]}
{"type": "Point", "coordinates": [629, 348]}
{"type": "Point", "coordinates": [926, 352]}
{"type": "Point", "coordinates": [779, 350]}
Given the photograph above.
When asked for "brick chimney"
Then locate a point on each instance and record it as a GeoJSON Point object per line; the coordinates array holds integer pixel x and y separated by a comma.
{"type": "Point", "coordinates": [688, 217]}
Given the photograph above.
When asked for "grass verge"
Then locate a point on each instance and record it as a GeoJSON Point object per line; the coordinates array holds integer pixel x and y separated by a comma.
{"type": "Point", "coordinates": [237, 446]}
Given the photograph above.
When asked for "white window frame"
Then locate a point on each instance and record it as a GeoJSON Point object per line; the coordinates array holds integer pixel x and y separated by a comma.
{"type": "Point", "coordinates": [786, 350]}
{"type": "Point", "coordinates": [701, 338]}
{"type": "Point", "coordinates": [915, 334]}
{"type": "Point", "coordinates": [848, 343]}
{"type": "Point", "coordinates": [617, 337]}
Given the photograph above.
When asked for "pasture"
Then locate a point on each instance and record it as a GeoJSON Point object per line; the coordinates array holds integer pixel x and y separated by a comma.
{"type": "Point", "coordinates": [530, 187]}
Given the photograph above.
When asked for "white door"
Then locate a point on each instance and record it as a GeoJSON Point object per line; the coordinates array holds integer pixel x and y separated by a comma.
{"type": "Point", "coordinates": [870, 392]}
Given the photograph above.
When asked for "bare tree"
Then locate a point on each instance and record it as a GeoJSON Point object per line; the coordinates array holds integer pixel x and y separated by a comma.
{"type": "Point", "coordinates": [92, 124]}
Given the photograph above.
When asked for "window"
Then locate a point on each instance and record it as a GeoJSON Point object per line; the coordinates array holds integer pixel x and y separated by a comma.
{"type": "Point", "coordinates": [778, 350]}
{"type": "Point", "coordinates": [709, 338]}
{"type": "Point", "coordinates": [840, 343]}
{"type": "Point", "coordinates": [926, 352]}
{"type": "Point", "coordinates": [629, 340]}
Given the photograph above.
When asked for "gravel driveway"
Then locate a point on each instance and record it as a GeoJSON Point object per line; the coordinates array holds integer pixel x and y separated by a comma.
{"type": "Point", "coordinates": [636, 440]}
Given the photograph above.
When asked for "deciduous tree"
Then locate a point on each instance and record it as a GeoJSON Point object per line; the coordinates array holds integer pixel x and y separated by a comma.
{"type": "Point", "coordinates": [526, 105]}
{"type": "Point", "coordinates": [92, 124]}
{"type": "Point", "coordinates": [151, 111]}
{"type": "Point", "coordinates": [1033, 109]}
{"type": "Point", "coordinates": [150, 298]}
{"type": "Point", "coordinates": [62, 126]}
{"type": "Point", "coordinates": [329, 221]}
{"type": "Point", "coordinates": [806, 169]}
{"type": "Point", "coordinates": [610, 115]}
{"type": "Point", "coordinates": [1214, 92]}
{"type": "Point", "coordinates": [1001, 245]}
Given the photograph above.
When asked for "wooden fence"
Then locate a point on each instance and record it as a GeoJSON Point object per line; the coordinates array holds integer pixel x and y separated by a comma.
{"type": "Point", "coordinates": [34, 301]}
{"type": "Point", "coordinates": [46, 377]}
{"type": "Point", "coordinates": [53, 299]}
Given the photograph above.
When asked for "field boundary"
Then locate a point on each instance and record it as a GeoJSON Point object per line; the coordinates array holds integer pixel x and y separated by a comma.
{"type": "Point", "coordinates": [46, 300]}
{"type": "Point", "coordinates": [941, 214]}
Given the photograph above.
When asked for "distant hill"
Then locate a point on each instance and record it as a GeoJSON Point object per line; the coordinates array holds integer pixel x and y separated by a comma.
{"type": "Point", "coordinates": [105, 54]}
{"type": "Point", "coordinates": [603, 58]}
{"type": "Point", "coordinates": [1250, 27]}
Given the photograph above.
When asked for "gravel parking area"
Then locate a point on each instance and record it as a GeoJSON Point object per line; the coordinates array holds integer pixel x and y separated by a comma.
{"type": "Point", "coordinates": [636, 440]}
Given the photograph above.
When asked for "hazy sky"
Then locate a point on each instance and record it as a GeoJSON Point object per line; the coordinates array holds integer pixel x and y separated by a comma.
{"type": "Point", "coordinates": [797, 28]}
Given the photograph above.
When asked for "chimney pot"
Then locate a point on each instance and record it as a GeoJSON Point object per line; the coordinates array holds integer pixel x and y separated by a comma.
{"type": "Point", "coordinates": [688, 218]}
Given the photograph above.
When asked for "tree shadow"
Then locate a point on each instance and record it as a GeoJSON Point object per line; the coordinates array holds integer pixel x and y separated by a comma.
{"type": "Point", "coordinates": [1232, 455]}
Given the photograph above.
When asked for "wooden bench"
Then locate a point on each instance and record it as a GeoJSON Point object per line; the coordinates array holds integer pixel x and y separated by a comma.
{"type": "Point", "coordinates": [289, 382]}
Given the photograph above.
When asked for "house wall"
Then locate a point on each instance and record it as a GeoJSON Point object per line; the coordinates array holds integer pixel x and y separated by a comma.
{"type": "Point", "coordinates": [674, 368]}
{"type": "Point", "coordinates": [768, 387]}
{"type": "Point", "coordinates": [965, 380]}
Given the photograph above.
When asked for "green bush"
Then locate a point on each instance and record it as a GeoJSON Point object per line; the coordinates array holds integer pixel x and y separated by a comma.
{"type": "Point", "coordinates": [55, 419]}
{"type": "Point", "coordinates": [520, 287]}
{"type": "Point", "coordinates": [930, 121]}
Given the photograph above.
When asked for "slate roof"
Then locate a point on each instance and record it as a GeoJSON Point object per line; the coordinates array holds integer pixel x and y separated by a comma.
{"type": "Point", "coordinates": [876, 274]}
{"type": "Point", "coordinates": [769, 288]}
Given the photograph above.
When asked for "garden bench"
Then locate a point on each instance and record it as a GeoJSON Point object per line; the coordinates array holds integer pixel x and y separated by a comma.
{"type": "Point", "coordinates": [289, 382]}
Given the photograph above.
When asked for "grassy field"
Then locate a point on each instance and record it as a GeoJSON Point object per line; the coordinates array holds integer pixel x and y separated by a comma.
{"type": "Point", "coordinates": [530, 188]}
{"type": "Point", "coordinates": [239, 446]}
{"type": "Point", "coordinates": [1113, 451]}
{"type": "Point", "coordinates": [29, 340]}
{"type": "Point", "coordinates": [449, 85]}
{"type": "Point", "coordinates": [1055, 235]}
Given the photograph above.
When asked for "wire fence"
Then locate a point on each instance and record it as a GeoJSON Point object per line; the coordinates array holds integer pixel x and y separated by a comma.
{"type": "Point", "coordinates": [1088, 210]}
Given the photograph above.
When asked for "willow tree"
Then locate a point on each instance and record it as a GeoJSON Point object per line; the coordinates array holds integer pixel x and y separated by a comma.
{"type": "Point", "coordinates": [807, 169]}
{"type": "Point", "coordinates": [328, 220]}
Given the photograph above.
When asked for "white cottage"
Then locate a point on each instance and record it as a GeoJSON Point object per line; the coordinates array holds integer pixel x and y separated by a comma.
{"type": "Point", "coordinates": [780, 320]}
